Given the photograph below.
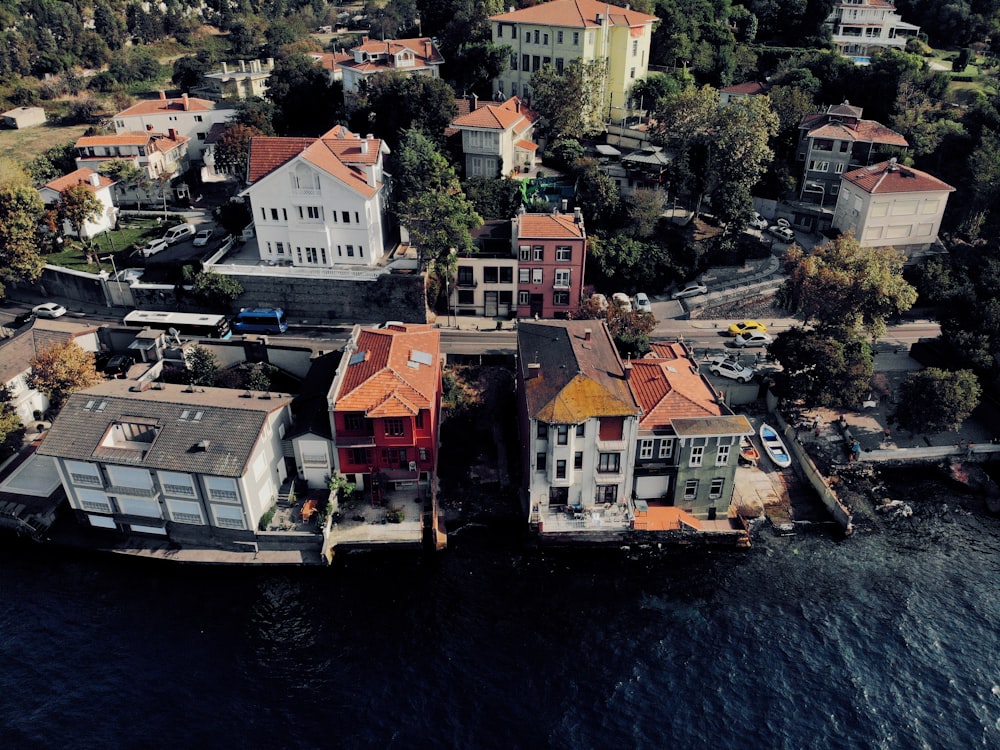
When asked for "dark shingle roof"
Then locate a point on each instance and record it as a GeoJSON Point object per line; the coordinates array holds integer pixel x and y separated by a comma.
{"type": "Point", "coordinates": [231, 422]}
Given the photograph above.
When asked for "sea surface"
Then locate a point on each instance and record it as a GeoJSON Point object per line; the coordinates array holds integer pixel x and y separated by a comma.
{"type": "Point", "coordinates": [888, 639]}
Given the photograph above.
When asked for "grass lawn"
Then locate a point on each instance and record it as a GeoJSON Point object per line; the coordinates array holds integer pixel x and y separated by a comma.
{"type": "Point", "coordinates": [129, 236]}
{"type": "Point", "coordinates": [24, 145]}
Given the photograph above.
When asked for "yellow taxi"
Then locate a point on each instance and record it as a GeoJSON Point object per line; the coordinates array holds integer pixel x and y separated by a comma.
{"type": "Point", "coordinates": [747, 326]}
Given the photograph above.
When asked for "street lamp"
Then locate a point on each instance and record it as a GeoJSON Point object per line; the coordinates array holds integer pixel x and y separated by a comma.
{"type": "Point", "coordinates": [114, 268]}
{"type": "Point", "coordinates": [816, 187]}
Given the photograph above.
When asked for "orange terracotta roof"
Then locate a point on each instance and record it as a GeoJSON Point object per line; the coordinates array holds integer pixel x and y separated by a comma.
{"type": "Point", "coordinates": [750, 88]}
{"type": "Point", "coordinates": [576, 377]}
{"type": "Point", "coordinates": [383, 382]}
{"type": "Point", "coordinates": [162, 106]}
{"type": "Point", "coordinates": [667, 387]}
{"type": "Point", "coordinates": [576, 14]}
{"type": "Point", "coordinates": [422, 47]}
{"type": "Point", "coordinates": [527, 145]}
{"type": "Point", "coordinates": [320, 155]}
{"type": "Point", "coordinates": [548, 226]}
{"type": "Point", "coordinates": [336, 153]}
{"type": "Point", "coordinates": [160, 141]}
{"type": "Point", "coordinates": [889, 177]}
{"type": "Point", "coordinates": [267, 153]}
{"type": "Point", "coordinates": [865, 131]}
{"type": "Point", "coordinates": [330, 60]}
{"type": "Point", "coordinates": [498, 116]}
{"type": "Point", "coordinates": [80, 176]}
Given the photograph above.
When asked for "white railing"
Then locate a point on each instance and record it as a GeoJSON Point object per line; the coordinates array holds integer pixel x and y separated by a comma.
{"type": "Point", "coordinates": [301, 272]}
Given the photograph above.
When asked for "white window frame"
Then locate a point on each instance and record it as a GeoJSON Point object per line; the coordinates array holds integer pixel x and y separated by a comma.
{"type": "Point", "coordinates": [537, 276]}
{"type": "Point", "coordinates": [646, 448]}
{"type": "Point", "coordinates": [697, 455]}
{"type": "Point", "coordinates": [717, 486]}
{"type": "Point", "coordinates": [691, 489]}
{"type": "Point", "coordinates": [666, 448]}
{"type": "Point", "coordinates": [722, 455]}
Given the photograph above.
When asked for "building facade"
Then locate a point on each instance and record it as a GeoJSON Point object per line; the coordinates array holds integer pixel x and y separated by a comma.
{"type": "Point", "coordinates": [578, 423]}
{"type": "Point", "coordinates": [196, 466]}
{"type": "Point", "coordinates": [497, 139]}
{"type": "Point", "coordinates": [163, 158]}
{"type": "Point", "coordinates": [186, 115]}
{"type": "Point", "coordinates": [408, 56]}
{"type": "Point", "coordinates": [558, 32]}
{"type": "Point", "coordinates": [551, 256]}
{"type": "Point", "coordinates": [384, 405]}
{"type": "Point", "coordinates": [862, 27]}
{"type": "Point", "coordinates": [830, 144]}
{"type": "Point", "coordinates": [235, 83]}
{"type": "Point", "coordinates": [888, 204]}
{"type": "Point", "coordinates": [319, 202]}
{"type": "Point", "coordinates": [96, 183]}
{"type": "Point", "coordinates": [688, 440]}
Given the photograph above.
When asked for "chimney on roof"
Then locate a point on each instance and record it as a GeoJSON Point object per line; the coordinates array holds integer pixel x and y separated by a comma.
{"type": "Point", "coordinates": [534, 368]}
{"type": "Point", "coordinates": [892, 165]}
{"type": "Point", "coordinates": [173, 134]}
{"type": "Point", "coordinates": [163, 95]}
{"type": "Point", "coordinates": [578, 216]}
{"type": "Point", "coordinates": [243, 66]}
{"type": "Point", "coordinates": [364, 145]}
{"type": "Point", "coordinates": [587, 332]}
{"type": "Point", "coordinates": [270, 63]}
{"type": "Point", "coordinates": [627, 369]}
{"type": "Point", "coordinates": [370, 136]}
{"type": "Point", "coordinates": [473, 102]}
{"type": "Point", "coordinates": [186, 102]}
{"type": "Point", "coordinates": [225, 68]}
{"type": "Point", "coordinates": [203, 446]}
{"type": "Point", "coordinates": [149, 128]}
{"type": "Point", "coordinates": [517, 105]}
{"type": "Point", "coordinates": [510, 9]}
{"type": "Point", "coordinates": [95, 179]}
{"type": "Point", "coordinates": [600, 19]}
{"type": "Point", "coordinates": [428, 48]}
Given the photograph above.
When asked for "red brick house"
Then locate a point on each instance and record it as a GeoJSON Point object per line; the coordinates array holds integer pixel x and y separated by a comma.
{"type": "Point", "coordinates": [384, 405]}
{"type": "Point", "coordinates": [551, 250]}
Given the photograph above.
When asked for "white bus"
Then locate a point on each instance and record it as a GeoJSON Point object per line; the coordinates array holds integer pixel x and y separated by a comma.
{"type": "Point", "coordinates": [205, 325]}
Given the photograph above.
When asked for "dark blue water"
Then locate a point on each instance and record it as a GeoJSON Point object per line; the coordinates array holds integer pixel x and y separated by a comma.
{"type": "Point", "coordinates": [885, 640]}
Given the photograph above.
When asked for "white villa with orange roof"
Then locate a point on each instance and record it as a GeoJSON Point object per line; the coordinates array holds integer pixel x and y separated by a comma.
{"type": "Point", "coordinates": [384, 402]}
{"type": "Point", "coordinates": [318, 202]}
{"type": "Point", "coordinates": [97, 184]}
{"type": "Point", "coordinates": [497, 139]}
{"type": "Point", "coordinates": [159, 155]}
{"type": "Point", "coordinates": [560, 31]}
{"type": "Point", "coordinates": [888, 204]}
{"type": "Point", "coordinates": [410, 56]}
{"type": "Point", "coordinates": [186, 115]}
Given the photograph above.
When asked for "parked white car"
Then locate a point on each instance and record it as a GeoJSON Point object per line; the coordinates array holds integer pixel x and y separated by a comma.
{"type": "Point", "coordinates": [201, 239]}
{"type": "Point", "coordinates": [758, 221]}
{"type": "Point", "coordinates": [690, 290]}
{"type": "Point", "coordinates": [49, 310]}
{"type": "Point", "coordinates": [154, 247]}
{"type": "Point", "coordinates": [178, 233]}
{"type": "Point", "coordinates": [785, 234]}
{"type": "Point", "coordinates": [728, 368]}
{"type": "Point", "coordinates": [642, 303]}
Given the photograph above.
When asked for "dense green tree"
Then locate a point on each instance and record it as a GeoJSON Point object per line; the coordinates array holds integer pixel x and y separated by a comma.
{"type": "Point", "coordinates": [830, 366]}
{"type": "Point", "coordinates": [256, 113]}
{"type": "Point", "coordinates": [474, 65]}
{"type": "Point", "coordinates": [571, 103]}
{"type": "Point", "coordinates": [390, 103]}
{"type": "Point", "coordinates": [21, 210]}
{"type": "Point", "coordinates": [78, 206]}
{"type": "Point", "coordinates": [842, 284]}
{"type": "Point", "coordinates": [305, 101]}
{"type": "Point", "coordinates": [431, 204]}
{"type": "Point", "coordinates": [109, 25]}
{"type": "Point", "coordinates": [216, 289]}
{"type": "Point", "coordinates": [597, 196]}
{"type": "Point", "coordinates": [61, 369]}
{"type": "Point", "coordinates": [493, 198]}
{"type": "Point", "coordinates": [202, 367]}
{"type": "Point", "coordinates": [629, 330]}
{"type": "Point", "coordinates": [935, 400]}
{"type": "Point", "coordinates": [188, 71]}
{"type": "Point", "coordinates": [129, 176]}
{"type": "Point", "coordinates": [11, 428]}
{"type": "Point", "coordinates": [234, 217]}
{"type": "Point", "coordinates": [246, 36]}
{"type": "Point", "coordinates": [232, 149]}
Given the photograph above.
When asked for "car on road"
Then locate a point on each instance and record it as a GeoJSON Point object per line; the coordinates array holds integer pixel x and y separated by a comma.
{"type": "Point", "coordinates": [758, 221]}
{"type": "Point", "coordinates": [21, 318]}
{"type": "Point", "coordinates": [752, 338]}
{"type": "Point", "coordinates": [49, 310]}
{"type": "Point", "coordinates": [690, 290]}
{"type": "Point", "coordinates": [154, 247]}
{"type": "Point", "coordinates": [728, 368]}
{"type": "Point", "coordinates": [785, 234]}
{"type": "Point", "coordinates": [746, 325]}
{"type": "Point", "coordinates": [201, 239]}
{"type": "Point", "coordinates": [178, 233]}
{"type": "Point", "coordinates": [621, 299]}
{"type": "Point", "coordinates": [642, 303]}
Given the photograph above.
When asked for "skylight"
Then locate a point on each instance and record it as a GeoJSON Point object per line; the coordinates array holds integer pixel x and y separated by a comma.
{"type": "Point", "coordinates": [421, 357]}
{"type": "Point", "coordinates": [357, 357]}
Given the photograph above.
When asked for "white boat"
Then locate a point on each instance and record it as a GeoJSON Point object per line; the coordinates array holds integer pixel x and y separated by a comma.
{"type": "Point", "coordinates": [775, 449]}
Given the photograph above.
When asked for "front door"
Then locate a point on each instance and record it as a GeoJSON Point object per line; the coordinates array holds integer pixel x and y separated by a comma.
{"type": "Point", "coordinates": [491, 305]}
{"type": "Point", "coordinates": [536, 305]}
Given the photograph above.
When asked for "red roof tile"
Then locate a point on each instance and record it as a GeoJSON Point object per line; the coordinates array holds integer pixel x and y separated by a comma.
{"type": "Point", "coordinates": [336, 153]}
{"type": "Point", "coordinates": [160, 141]}
{"type": "Point", "coordinates": [548, 226]}
{"type": "Point", "coordinates": [750, 88]}
{"type": "Point", "coordinates": [667, 387]}
{"type": "Point", "coordinates": [383, 383]}
{"type": "Point", "coordinates": [576, 14]}
{"type": "Point", "coordinates": [162, 106]}
{"type": "Point", "coordinates": [497, 116]}
{"type": "Point", "coordinates": [889, 177]}
{"type": "Point", "coordinates": [79, 176]}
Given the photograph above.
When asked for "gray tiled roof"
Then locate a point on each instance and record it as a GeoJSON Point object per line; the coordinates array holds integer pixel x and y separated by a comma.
{"type": "Point", "coordinates": [230, 421]}
{"type": "Point", "coordinates": [18, 350]}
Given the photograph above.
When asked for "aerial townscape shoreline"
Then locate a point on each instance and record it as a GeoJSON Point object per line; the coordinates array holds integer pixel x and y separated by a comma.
{"type": "Point", "coordinates": [355, 288]}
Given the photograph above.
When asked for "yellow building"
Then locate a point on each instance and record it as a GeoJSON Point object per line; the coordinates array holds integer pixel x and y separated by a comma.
{"type": "Point", "coordinates": [560, 31]}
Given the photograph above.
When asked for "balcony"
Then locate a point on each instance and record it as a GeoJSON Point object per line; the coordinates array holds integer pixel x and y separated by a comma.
{"type": "Point", "coordinates": [466, 283]}
{"type": "Point", "coordinates": [606, 519]}
{"type": "Point", "coordinates": [296, 190]}
{"type": "Point", "coordinates": [354, 441]}
{"type": "Point", "coordinates": [132, 491]}
{"type": "Point", "coordinates": [611, 446]}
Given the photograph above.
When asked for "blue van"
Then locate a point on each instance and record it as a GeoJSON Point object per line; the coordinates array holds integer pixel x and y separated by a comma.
{"type": "Point", "coordinates": [260, 320]}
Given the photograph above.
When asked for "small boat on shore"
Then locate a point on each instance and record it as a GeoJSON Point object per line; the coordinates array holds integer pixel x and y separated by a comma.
{"type": "Point", "coordinates": [748, 451]}
{"type": "Point", "coordinates": [774, 447]}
